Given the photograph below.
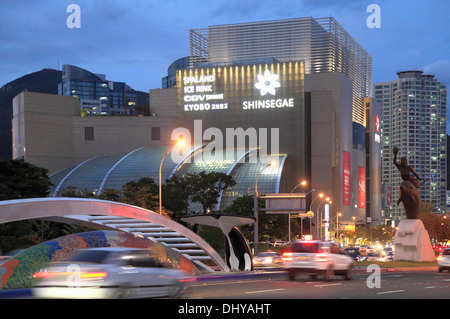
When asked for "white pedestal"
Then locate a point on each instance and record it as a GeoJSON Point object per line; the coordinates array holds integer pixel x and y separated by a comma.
{"type": "Point", "coordinates": [412, 242]}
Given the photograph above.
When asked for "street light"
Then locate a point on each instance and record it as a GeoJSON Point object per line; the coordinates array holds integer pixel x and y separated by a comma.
{"type": "Point", "coordinates": [319, 216]}
{"type": "Point", "coordinates": [337, 227]}
{"type": "Point", "coordinates": [303, 183]}
{"type": "Point", "coordinates": [255, 211]}
{"type": "Point", "coordinates": [310, 207]}
{"type": "Point", "coordinates": [180, 143]}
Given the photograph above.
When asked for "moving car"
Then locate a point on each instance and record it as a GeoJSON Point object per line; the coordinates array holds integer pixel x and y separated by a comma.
{"type": "Point", "coordinates": [267, 259]}
{"type": "Point", "coordinates": [444, 260]}
{"type": "Point", "coordinates": [317, 258]}
{"type": "Point", "coordinates": [110, 273]}
{"type": "Point", "coordinates": [388, 257]}
{"type": "Point", "coordinates": [373, 257]}
{"type": "Point", "coordinates": [352, 252]}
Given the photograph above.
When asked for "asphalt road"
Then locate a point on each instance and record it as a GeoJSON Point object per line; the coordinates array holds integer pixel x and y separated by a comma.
{"type": "Point", "coordinates": [365, 285]}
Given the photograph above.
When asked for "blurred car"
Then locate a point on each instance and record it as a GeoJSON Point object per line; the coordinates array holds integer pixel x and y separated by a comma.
{"type": "Point", "coordinates": [387, 250]}
{"type": "Point", "coordinates": [279, 243]}
{"type": "Point", "coordinates": [352, 252]}
{"type": "Point", "coordinates": [317, 258]}
{"type": "Point", "coordinates": [370, 249]}
{"type": "Point", "coordinates": [362, 250]}
{"type": "Point", "coordinates": [372, 257]}
{"type": "Point", "coordinates": [444, 260]}
{"type": "Point", "coordinates": [389, 256]}
{"type": "Point", "coordinates": [110, 273]}
{"type": "Point", "coordinates": [267, 259]}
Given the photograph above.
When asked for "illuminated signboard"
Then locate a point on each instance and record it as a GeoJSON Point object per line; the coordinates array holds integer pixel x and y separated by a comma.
{"type": "Point", "coordinates": [361, 187]}
{"type": "Point", "coordinates": [377, 129]}
{"type": "Point", "coordinates": [253, 87]}
{"type": "Point", "coordinates": [346, 178]}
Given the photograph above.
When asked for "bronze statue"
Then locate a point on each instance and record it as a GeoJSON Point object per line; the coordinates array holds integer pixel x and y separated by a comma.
{"type": "Point", "coordinates": [409, 195]}
{"type": "Point", "coordinates": [406, 171]}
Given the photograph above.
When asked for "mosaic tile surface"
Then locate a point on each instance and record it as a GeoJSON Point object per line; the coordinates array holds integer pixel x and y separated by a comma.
{"type": "Point", "coordinates": [16, 273]}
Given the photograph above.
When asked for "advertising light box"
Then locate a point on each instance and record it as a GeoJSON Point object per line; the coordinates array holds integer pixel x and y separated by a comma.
{"type": "Point", "coordinates": [250, 88]}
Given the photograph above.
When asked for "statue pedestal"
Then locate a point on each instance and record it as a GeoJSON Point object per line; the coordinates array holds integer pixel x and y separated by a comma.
{"type": "Point", "coordinates": [412, 242]}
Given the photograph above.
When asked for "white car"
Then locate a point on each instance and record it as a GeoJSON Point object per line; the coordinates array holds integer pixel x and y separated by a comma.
{"type": "Point", "coordinates": [373, 257]}
{"type": "Point", "coordinates": [267, 259]}
{"type": "Point", "coordinates": [317, 258]}
{"type": "Point", "coordinates": [99, 273]}
{"type": "Point", "coordinates": [444, 260]}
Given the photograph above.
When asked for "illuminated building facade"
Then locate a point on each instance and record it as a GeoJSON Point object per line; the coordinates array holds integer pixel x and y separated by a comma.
{"type": "Point", "coordinates": [299, 99]}
{"type": "Point", "coordinates": [322, 43]}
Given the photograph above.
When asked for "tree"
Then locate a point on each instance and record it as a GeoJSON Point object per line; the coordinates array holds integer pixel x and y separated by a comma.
{"type": "Point", "coordinates": [175, 194]}
{"type": "Point", "coordinates": [206, 187]}
{"type": "Point", "coordinates": [270, 226]}
{"type": "Point", "coordinates": [72, 191]}
{"type": "Point", "coordinates": [143, 193]}
{"type": "Point", "coordinates": [20, 179]}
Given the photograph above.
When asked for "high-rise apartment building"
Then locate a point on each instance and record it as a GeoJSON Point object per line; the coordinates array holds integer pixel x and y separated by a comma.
{"type": "Point", "coordinates": [414, 120]}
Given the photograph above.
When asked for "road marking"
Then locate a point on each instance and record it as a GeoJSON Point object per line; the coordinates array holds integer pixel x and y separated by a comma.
{"type": "Point", "coordinates": [430, 287]}
{"type": "Point", "coordinates": [326, 285]}
{"type": "Point", "coordinates": [263, 291]}
{"type": "Point", "coordinates": [389, 292]}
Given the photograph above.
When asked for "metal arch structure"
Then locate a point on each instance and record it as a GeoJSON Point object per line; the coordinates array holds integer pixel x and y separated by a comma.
{"type": "Point", "coordinates": [102, 214]}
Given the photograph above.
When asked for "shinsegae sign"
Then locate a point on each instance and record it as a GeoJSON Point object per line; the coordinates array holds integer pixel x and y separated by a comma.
{"type": "Point", "coordinates": [245, 87]}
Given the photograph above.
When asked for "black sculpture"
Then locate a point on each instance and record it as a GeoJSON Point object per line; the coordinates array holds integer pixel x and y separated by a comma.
{"type": "Point", "coordinates": [238, 254]}
{"type": "Point", "coordinates": [409, 195]}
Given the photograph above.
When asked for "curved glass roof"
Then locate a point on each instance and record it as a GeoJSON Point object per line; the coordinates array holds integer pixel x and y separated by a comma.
{"type": "Point", "coordinates": [245, 175]}
{"type": "Point", "coordinates": [114, 171]}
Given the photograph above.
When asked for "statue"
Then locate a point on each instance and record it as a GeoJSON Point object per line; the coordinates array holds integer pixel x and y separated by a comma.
{"type": "Point", "coordinates": [406, 171]}
{"type": "Point", "coordinates": [412, 242]}
{"type": "Point", "coordinates": [408, 189]}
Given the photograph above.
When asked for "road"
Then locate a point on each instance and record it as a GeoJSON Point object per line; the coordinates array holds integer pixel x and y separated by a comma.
{"type": "Point", "coordinates": [365, 285]}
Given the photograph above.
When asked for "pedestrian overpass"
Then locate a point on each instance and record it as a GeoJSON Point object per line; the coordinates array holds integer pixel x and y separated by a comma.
{"type": "Point", "coordinates": [102, 215]}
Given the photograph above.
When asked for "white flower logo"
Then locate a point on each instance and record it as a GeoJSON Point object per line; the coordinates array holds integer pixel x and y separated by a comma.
{"type": "Point", "coordinates": [267, 83]}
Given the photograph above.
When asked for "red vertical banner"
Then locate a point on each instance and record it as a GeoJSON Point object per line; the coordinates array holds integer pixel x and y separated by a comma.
{"type": "Point", "coordinates": [361, 187]}
{"type": "Point", "coordinates": [388, 196]}
{"type": "Point", "coordinates": [346, 179]}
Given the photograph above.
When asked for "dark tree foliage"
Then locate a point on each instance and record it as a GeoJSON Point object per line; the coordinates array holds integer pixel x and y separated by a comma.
{"type": "Point", "coordinates": [20, 179]}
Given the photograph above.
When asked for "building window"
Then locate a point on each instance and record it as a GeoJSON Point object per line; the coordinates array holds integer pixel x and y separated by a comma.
{"type": "Point", "coordinates": [88, 133]}
{"type": "Point", "coordinates": [156, 133]}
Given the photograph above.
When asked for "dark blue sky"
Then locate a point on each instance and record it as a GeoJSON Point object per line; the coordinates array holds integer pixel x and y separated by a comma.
{"type": "Point", "coordinates": [135, 41]}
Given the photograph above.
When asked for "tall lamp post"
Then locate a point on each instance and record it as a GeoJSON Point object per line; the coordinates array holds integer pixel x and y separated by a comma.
{"type": "Point", "coordinates": [180, 143]}
{"type": "Point", "coordinates": [255, 213]}
{"type": "Point", "coordinates": [319, 216]}
{"type": "Point", "coordinates": [310, 206]}
{"type": "Point", "coordinates": [337, 228]}
{"type": "Point", "coordinates": [302, 183]}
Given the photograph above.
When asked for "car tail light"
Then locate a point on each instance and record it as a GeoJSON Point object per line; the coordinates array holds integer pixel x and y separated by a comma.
{"type": "Point", "coordinates": [45, 274]}
{"type": "Point", "coordinates": [321, 257]}
{"type": "Point", "coordinates": [287, 257]}
{"type": "Point", "coordinates": [93, 275]}
{"type": "Point", "coordinates": [439, 258]}
{"type": "Point", "coordinates": [83, 275]}
{"type": "Point", "coordinates": [188, 280]}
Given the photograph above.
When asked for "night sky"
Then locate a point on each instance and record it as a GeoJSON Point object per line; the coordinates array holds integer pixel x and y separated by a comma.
{"type": "Point", "coordinates": [135, 41]}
